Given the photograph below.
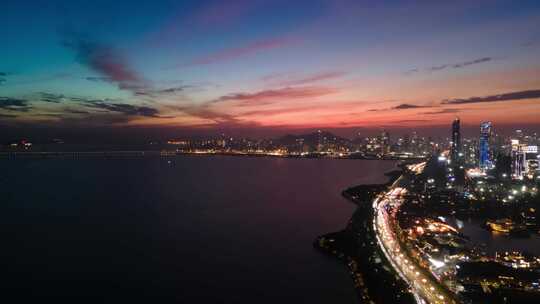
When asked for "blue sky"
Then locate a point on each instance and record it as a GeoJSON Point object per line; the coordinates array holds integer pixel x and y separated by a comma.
{"type": "Point", "coordinates": [267, 64]}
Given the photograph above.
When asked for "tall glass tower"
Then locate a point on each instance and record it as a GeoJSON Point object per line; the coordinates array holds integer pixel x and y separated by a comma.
{"type": "Point", "coordinates": [485, 161]}
{"type": "Point", "coordinates": [456, 140]}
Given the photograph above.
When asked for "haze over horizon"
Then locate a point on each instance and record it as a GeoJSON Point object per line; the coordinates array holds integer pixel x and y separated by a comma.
{"type": "Point", "coordinates": [260, 68]}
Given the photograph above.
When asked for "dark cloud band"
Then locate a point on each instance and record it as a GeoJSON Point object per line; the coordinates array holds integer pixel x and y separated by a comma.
{"type": "Point", "coordinates": [14, 104]}
{"type": "Point", "coordinates": [530, 94]}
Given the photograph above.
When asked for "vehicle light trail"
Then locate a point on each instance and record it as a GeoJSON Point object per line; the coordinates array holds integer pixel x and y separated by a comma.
{"type": "Point", "coordinates": [424, 287]}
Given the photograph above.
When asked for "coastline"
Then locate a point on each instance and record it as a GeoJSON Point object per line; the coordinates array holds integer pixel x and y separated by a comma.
{"type": "Point", "coordinates": [163, 153]}
{"type": "Point", "coordinates": [356, 247]}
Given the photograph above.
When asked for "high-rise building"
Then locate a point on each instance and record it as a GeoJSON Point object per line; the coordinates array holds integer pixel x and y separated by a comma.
{"type": "Point", "coordinates": [518, 159]}
{"type": "Point", "coordinates": [455, 148]}
{"type": "Point", "coordinates": [519, 134]}
{"type": "Point", "coordinates": [320, 139]}
{"type": "Point", "coordinates": [414, 143]}
{"type": "Point", "coordinates": [385, 142]}
{"type": "Point", "coordinates": [406, 143]}
{"type": "Point", "coordinates": [524, 160]}
{"type": "Point", "coordinates": [485, 159]}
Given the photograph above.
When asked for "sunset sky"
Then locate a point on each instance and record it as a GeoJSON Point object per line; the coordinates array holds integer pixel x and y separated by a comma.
{"type": "Point", "coordinates": [208, 66]}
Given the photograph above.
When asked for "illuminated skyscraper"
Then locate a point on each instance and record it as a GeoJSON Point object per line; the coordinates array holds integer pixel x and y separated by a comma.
{"type": "Point", "coordinates": [524, 160]}
{"type": "Point", "coordinates": [485, 161]}
{"type": "Point", "coordinates": [385, 142]}
{"type": "Point", "coordinates": [455, 149]}
{"type": "Point", "coordinates": [518, 159]}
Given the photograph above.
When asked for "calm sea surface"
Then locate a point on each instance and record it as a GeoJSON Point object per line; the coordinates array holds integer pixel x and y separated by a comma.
{"type": "Point", "coordinates": [198, 229]}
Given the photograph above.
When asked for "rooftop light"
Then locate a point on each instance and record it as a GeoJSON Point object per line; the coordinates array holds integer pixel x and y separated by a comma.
{"type": "Point", "coordinates": [436, 263]}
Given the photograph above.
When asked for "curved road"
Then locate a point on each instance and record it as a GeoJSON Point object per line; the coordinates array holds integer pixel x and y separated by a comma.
{"type": "Point", "coordinates": [425, 288]}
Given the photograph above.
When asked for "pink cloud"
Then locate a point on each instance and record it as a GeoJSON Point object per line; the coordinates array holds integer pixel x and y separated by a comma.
{"type": "Point", "coordinates": [237, 52]}
{"type": "Point", "coordinates": [113, 66]}
{"type": "Point", "coordinates": [290, 81]}
{"type": "Point", "coordinates": [271, 112]}
{"type": "Point", "coordinates": [278, 94]}
{"type": "Point", "coordinates": [106, 60]}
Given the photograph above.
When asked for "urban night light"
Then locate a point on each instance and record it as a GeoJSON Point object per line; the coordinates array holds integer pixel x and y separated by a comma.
{"type": "Point", "coordinates": [200, 151]}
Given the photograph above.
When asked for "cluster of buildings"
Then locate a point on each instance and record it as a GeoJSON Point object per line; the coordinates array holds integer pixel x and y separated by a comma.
{"type": "Point", "coordinates": [457, 264]}
{"type": "Point", "coordinates": [524, 160]}
{"type": "Point", "coordinates": [435, 245]}
{"type": "Point", "coordinates": [482, 152]}
{"type": "Point", "coordinates": [492, 149]}
{"type": "Point", "coordinates": [490, 175]}
{"type": "Point", "coordinates": [317, 143]}
{"type": "Point", "coordinates": [492, 180]}
{"type": "Point", "coordinates": [405, 145]}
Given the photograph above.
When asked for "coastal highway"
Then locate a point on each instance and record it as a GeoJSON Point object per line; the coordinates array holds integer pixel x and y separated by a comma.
{"type": "Point", "coordinates": [425, 288]}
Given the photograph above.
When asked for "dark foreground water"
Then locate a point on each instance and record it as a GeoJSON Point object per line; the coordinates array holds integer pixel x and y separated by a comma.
{"type": "Point", "coordinates": [196, 230]}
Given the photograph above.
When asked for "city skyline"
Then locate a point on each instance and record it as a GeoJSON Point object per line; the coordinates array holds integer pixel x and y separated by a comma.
{"type": "Point", "coordinates": [241, 151]}
{"type": "Point", "coordinates": [258, 68]}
